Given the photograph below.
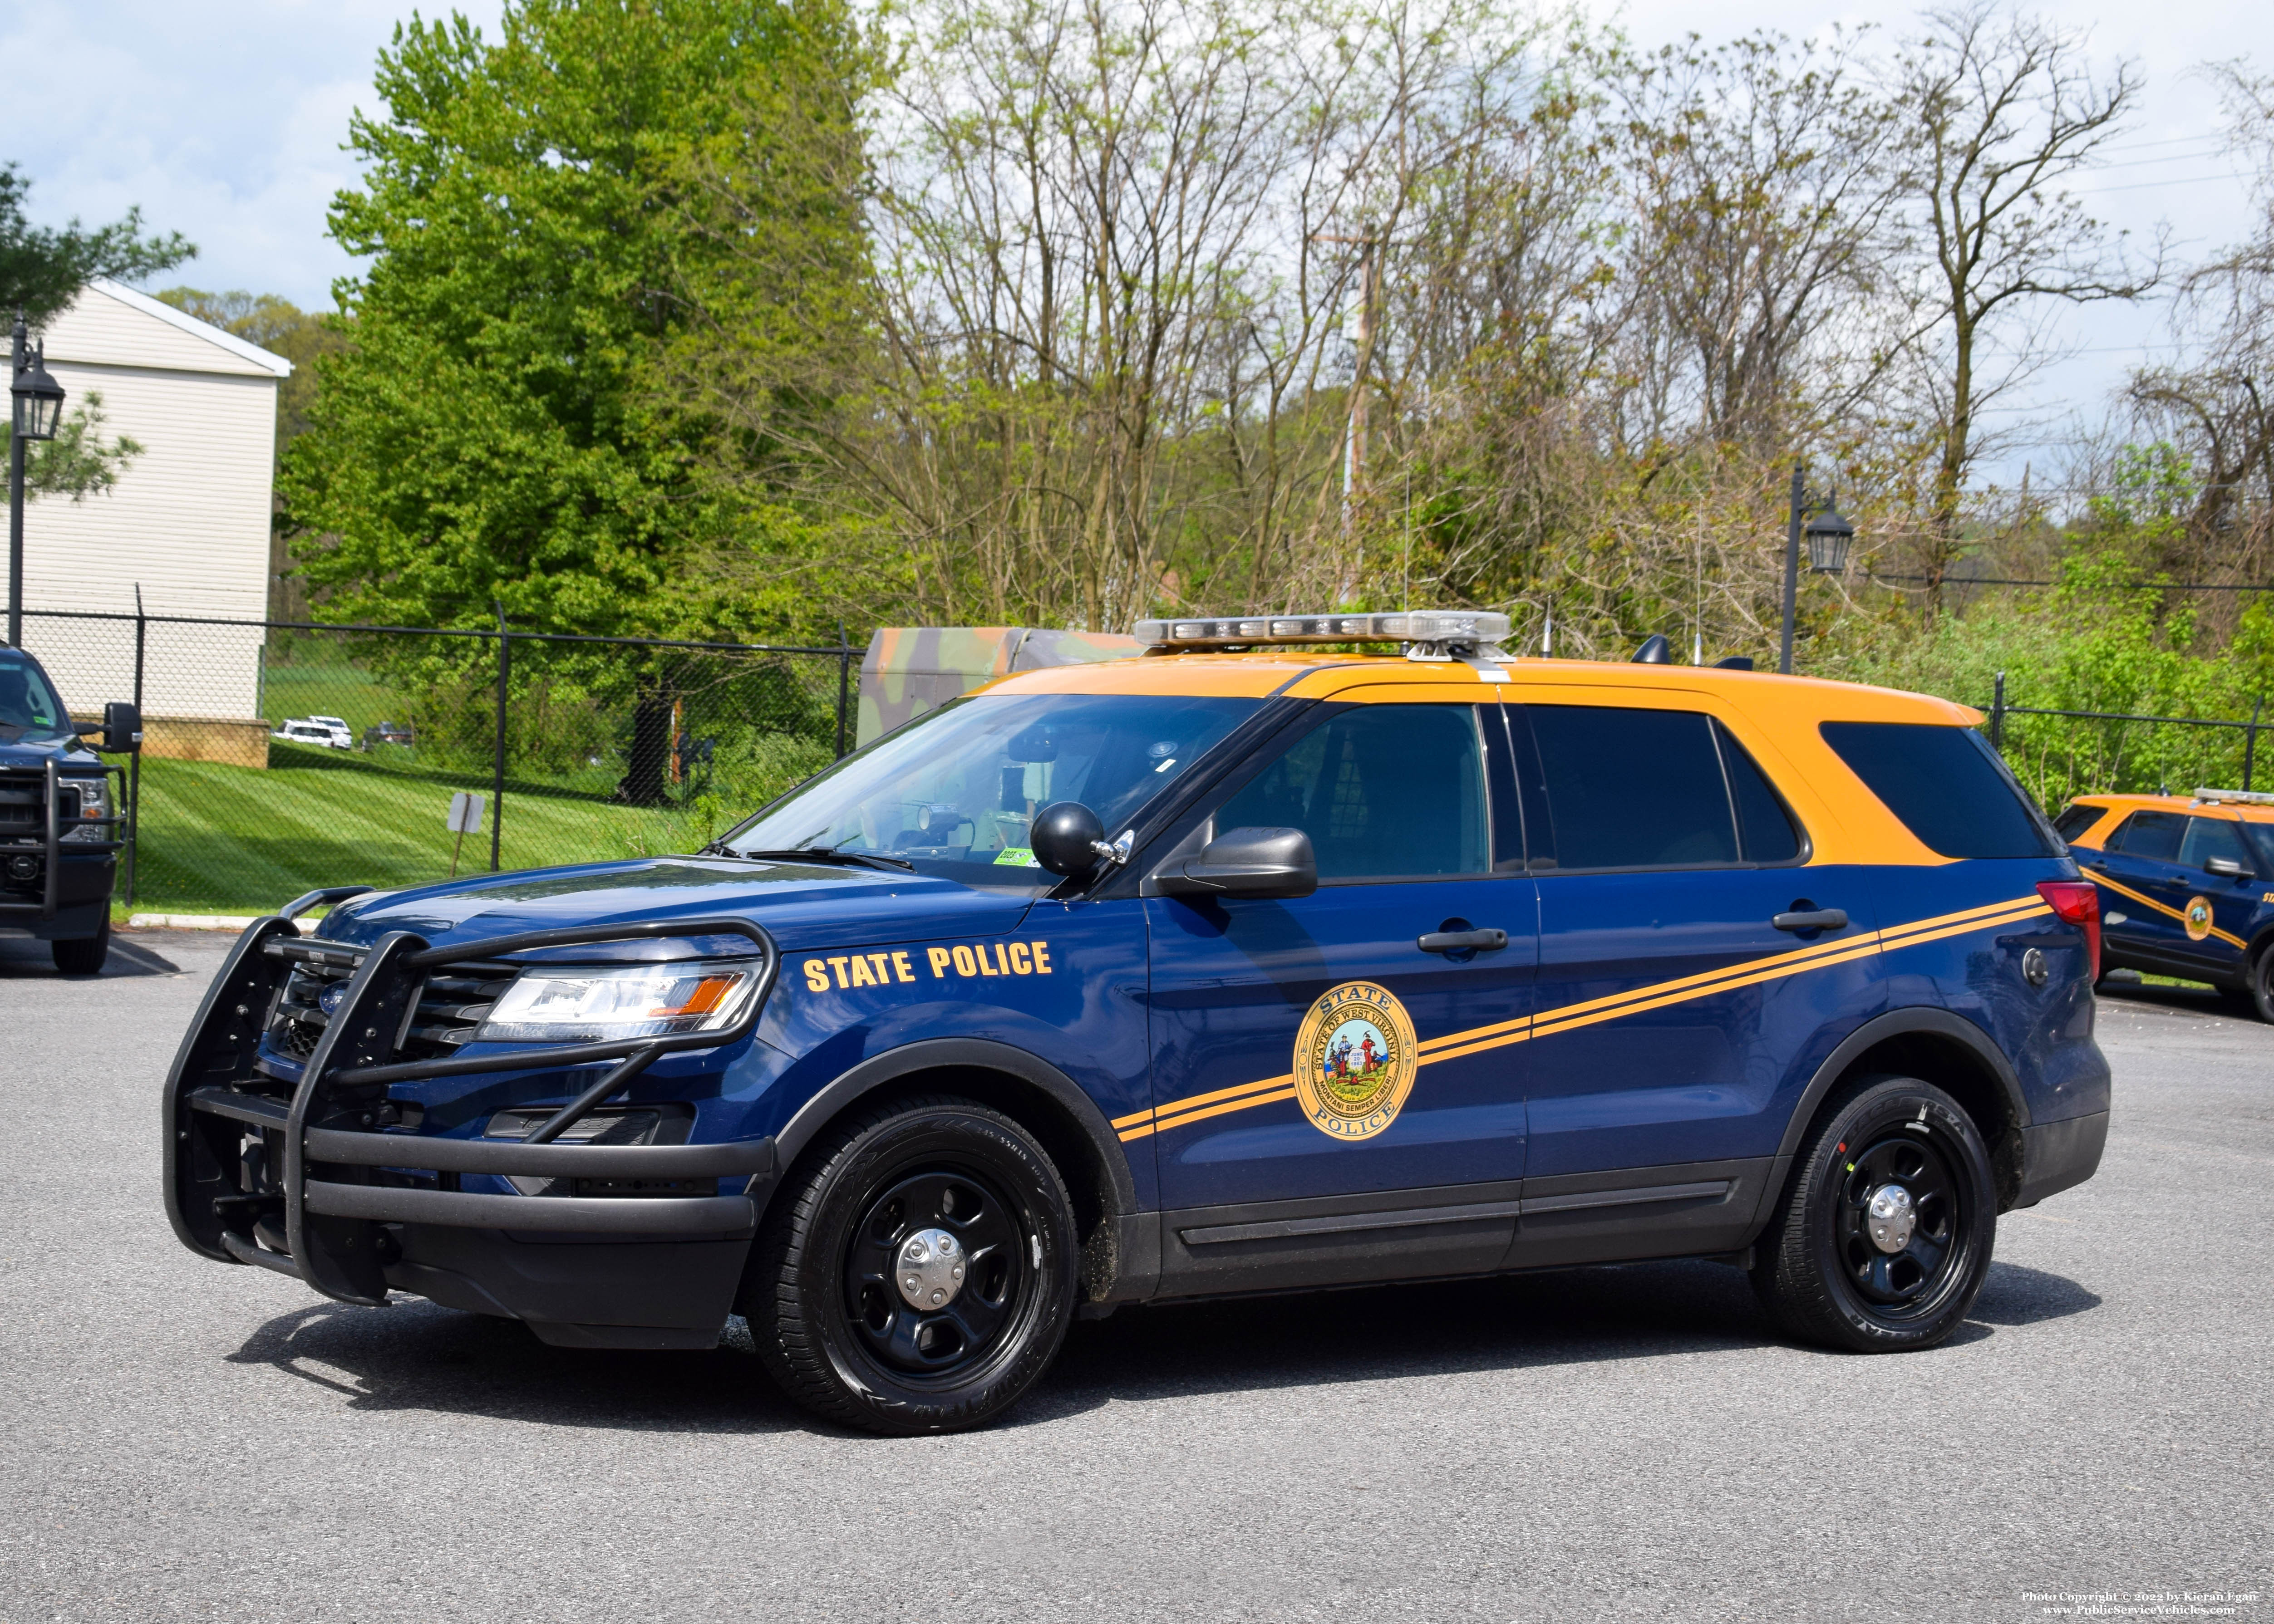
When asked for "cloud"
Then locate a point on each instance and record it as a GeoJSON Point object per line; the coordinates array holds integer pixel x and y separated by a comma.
{"type": "Point", "coordinates": [223, 122]}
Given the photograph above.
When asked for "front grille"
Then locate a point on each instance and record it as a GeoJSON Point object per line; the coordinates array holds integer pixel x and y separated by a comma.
{"type": "Point", "coordinates": [449, 1006]}
{"type": "Point", "coordinates": [23, 813]}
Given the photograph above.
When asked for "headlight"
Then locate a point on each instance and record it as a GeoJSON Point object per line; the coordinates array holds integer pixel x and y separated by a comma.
{"type": "Point", "coordinates": [94, 802]}
{"type": "Point", "coordinates": [579, 1004]}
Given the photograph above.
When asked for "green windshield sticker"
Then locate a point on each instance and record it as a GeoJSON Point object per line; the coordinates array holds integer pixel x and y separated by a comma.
{"type": "Point", "coordinates": [1016, 857]}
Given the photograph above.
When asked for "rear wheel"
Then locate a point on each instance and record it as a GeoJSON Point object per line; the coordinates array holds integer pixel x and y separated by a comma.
{"type": "Point", "coordinates": [1888, 1227]}
{"type": "Point", "coordinates": [919, 1275]}
{"type": "Point", "coordinates": [84, 957]}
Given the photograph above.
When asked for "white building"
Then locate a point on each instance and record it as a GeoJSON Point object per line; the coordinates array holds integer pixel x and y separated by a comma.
{"type": "Point", "coordinates": [188, 523]}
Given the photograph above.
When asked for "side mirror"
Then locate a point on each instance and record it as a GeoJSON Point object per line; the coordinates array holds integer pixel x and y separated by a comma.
{"type": "Point", "coordinates": [1248, 863]}
{"type": "Point", "coordinates": [1065, 838]}
{"type": "Point", "coordinates": [121, 728]}
{"type": "Point", "coordinates": [2227, 867]}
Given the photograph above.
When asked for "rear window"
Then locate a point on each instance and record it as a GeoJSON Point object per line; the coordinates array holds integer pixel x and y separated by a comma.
{"type": "Point", "coordinates": [1945, 783]}
{"type": "Point", "coordinates": [2075, 821]}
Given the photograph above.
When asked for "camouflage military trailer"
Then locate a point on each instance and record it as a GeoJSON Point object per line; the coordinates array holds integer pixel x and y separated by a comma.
{"type": "Point", "coordinates": [909, 670]}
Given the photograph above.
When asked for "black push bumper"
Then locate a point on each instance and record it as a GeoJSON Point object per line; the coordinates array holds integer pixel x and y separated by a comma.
{"type": "Point", "coordinates": [67, 898]}
{"type": "Point", "coordinates": [298, 1177]}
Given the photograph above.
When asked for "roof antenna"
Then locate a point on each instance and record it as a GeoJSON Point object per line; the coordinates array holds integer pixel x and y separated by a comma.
{"type": "Point", "coordinates": [1656, 650]}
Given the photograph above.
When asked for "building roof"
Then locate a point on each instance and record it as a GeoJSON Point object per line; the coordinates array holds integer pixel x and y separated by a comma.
{"type": "Point", "coordinates": [111, 325]}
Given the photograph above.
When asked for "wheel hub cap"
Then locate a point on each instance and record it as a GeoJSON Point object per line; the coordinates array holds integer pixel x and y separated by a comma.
{"type": "Point", "coordinates": [930, 1268]}
{"type": "Point", "coordinates": [1889, 1215]}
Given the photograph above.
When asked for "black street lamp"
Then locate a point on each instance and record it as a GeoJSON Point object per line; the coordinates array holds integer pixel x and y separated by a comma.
{"type": "Point", "coordinates": [1828, 536]}
{"type": "Point", "coordinates": [39, 402]}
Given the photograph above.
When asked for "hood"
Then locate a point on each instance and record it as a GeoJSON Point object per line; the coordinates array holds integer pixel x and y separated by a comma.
{"type": "Point", "coordinates": [33, 754]}
{"type": "Point", "coordinates": [805, 906]}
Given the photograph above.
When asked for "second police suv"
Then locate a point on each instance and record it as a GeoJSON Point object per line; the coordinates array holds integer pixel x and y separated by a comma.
{"type": "Point", "coordinates": [1234, 968]}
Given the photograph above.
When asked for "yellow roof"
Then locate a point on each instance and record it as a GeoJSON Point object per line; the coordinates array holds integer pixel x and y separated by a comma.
{"type": "Point", "coordinates": [2179, 803]}
{"type": "Point", "coordinates": [1774, 717]}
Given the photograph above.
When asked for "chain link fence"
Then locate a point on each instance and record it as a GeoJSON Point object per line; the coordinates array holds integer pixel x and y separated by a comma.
{"type": "Point", "coordinates": [2061, 754]}
{"type": "Point", "coordinates": [281, 756]}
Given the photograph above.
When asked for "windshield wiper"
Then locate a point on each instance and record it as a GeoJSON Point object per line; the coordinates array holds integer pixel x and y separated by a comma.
{"type": "Point", "coordinates": [824, 854]}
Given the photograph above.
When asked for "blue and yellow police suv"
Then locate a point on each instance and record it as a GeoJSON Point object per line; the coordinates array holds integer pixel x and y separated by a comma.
{"type": "Point", "coordinates": [2187, 884]}
{"type": "Point", "coordinates": [1233, 967]}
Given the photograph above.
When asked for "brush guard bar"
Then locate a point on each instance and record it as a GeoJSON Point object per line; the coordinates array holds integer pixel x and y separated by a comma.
{"type": "Point", "coordinates": [54, 826]}
{"type": "Point", "coordinates": [320, 1200]}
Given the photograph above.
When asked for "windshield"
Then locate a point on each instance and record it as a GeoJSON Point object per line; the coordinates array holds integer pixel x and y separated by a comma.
{"type": "Point", "coordinates": [29, 706]}
{"type": "Point", "coordinates": [954, 793]}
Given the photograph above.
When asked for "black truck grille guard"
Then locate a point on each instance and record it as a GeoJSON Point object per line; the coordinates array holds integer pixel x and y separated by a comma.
{"type": "Point", "coordinates": [304, 1198]}
{"type": "Point", "coordinates": [33, 820]}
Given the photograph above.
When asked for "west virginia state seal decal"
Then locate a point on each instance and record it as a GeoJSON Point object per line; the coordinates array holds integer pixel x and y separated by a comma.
{"type": "Point", "coordinates": [2197, 918]}
{"type": "Point", "coordinates": [1354, 1061]}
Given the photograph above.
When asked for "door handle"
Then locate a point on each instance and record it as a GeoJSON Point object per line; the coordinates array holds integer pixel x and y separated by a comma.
{"type": "Point", "coordinates": [1461, 941]}
{"type": "Point", "coordinates": [1817, 919]}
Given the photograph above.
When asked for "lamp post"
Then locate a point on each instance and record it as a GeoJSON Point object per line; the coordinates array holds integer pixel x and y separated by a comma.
{"type": "Point", "coordinates": [39, 406]}
{"type": "Point", "coordinates": [1828, 535]}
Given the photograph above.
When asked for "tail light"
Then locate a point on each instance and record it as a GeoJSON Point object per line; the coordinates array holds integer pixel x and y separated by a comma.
{"type": "Point", "coordinates": [2077, 902]}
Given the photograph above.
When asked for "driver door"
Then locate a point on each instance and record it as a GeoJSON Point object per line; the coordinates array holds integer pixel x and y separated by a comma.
{"type": "Point", "coordinates": [1333, 1099]}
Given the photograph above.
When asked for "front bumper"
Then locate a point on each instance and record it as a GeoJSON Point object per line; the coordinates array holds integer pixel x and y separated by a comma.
{"type": "Point", "coordinates": [69, 894]}
{"type": "Point", "coordinates": [299, 1179]}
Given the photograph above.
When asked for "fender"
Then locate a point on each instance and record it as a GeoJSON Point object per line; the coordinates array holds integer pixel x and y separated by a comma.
{"type": "Point", "coordinates": [1918, 1018]}
{"type": "Point", "coordinates": [1136, 1261]}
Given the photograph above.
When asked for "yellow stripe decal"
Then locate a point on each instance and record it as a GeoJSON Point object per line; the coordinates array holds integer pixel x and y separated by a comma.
{"type": "Point", "coordinates": [1592, 1011]}
{"type": "Point", "coordinates": [2160, 907]}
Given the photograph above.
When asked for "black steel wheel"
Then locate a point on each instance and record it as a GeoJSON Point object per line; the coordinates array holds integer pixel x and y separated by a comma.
{"type": "Point", "coordinates": [918, 1273]}
{"type": "Point", "coordinates": [1888, 1224]}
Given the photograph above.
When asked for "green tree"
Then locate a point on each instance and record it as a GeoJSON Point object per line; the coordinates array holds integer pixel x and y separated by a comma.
{"type": "Point", "coordinates": [489, 435]}
{"type": "Point", "coordinates": [42, 268]}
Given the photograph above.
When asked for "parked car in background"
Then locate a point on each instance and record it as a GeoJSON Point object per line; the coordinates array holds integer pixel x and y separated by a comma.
{"type": "Point", "coordinates": [62, 815]}
{"type": "Point", "coordinates": [312, 730]}
{"type": "Point", "coordinates": [2184, 882]}
{"type": "Point", "coordinates": [386, 732]}
{"type": "Point", "coordinates": [337, 724]}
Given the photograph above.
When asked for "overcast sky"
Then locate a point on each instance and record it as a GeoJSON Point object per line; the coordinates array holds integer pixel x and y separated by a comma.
{"type": "Point", "coordinates": [225, 121]}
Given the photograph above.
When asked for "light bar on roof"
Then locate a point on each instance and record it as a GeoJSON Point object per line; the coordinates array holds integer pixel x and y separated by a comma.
{"type": "Point", "coordinates": [1404, 625]}
{"type": "Point", "coordinates": [2239, 797]}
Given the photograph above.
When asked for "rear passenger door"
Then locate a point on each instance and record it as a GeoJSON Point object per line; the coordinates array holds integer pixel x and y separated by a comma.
{"type": "Point", "coordinates": [2140, 881]}
{"type": "Point", "coordinates": [1676, 1023]}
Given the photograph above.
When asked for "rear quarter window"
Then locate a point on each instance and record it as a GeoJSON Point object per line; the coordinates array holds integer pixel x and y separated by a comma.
{"type": "Point", "coordinates": [2074, 820]}
{"type": "Point", "coordinates": [1947, 786]}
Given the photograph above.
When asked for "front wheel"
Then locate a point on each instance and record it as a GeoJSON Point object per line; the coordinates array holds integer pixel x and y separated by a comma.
{"type": "Point", "coordinates": [84, 957]}
{"type": "Point", "coordinates": [918, 1276]}
{"type": "Point", "coordinates": [2261, 983]}
{"type": "Point", "coordinates": [1888, 1224]}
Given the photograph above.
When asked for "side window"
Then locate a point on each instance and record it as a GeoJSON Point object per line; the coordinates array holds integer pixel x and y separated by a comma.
{"type": "Point", "coordinates": [2075, 821]}
{"type": "Point", "coordinates": [2213, 837]}
{"type": "Point", "coordinates": [1764, 829]}
{"type": "Point", "coordinates": [2155, 836]}
{"type": "Point", "coordinates": [1384, 792]}
{"type": "Point", "coordinates": [1634, 789]}
{"type": "Point", "coordinates": [1947, 785]}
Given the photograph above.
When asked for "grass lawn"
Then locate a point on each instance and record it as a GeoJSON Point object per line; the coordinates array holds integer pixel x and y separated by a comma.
{"type": "Point", "coordinates": [238, 839]}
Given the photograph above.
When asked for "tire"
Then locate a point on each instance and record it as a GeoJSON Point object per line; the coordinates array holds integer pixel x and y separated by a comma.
{"type": "Point", "coordinates": [84, 956]}
{"type": "Point", "coordinates": [1821, 1276]}
{"type": "Point", "coordinates": [823, 1295]}
{"type": "Point", "coordinates": [2261, 984]}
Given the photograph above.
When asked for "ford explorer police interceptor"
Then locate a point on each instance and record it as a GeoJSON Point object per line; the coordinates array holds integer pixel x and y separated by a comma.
{"type": "Point", "coordinates": [1238, 967]}
{"type": "Point", "coordinates": [2186, 885]}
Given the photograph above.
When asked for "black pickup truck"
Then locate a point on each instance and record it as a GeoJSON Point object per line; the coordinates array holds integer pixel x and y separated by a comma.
{"type": "Point", "coordinates": [62, 815]}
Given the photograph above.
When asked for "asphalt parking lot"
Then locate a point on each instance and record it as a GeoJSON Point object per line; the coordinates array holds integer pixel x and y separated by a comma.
{"type": "Point", "coordinates": [184, 1441]}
